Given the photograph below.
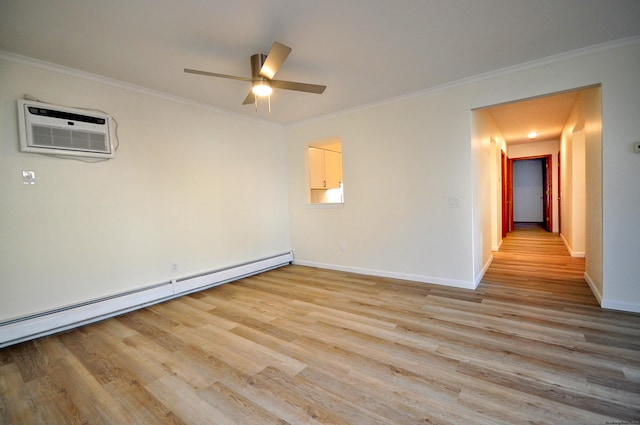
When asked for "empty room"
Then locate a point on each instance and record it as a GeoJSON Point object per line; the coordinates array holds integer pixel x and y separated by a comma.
{"type": "Point", "coordinates": [296, 212]}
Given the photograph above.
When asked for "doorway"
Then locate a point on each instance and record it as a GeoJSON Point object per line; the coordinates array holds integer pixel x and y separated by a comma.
{"type": "Point", "coordinates": [530, 180]}
{"type": "Point", "coordinates": [567, 126]}
{"type": "Point", "coordinates": [544, 126]}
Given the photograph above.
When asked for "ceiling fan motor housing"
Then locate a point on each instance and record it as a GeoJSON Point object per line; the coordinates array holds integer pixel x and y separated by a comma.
{"type": "Point", "coordinates": [257, 61]}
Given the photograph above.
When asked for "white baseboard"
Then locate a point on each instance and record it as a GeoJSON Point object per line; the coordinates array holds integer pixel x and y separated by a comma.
{"type": "Point", "coordinates": [576, 254]}
{"type": "Point", "coordinates": [566, 244]}
{"type": "Point", "coordinates": [610, 304]}
{"type": "Point", "coordinates": [482, 272]}
{"type": "Point", "coordinates": [394, 275]}
{"type": "Point", "coordinates": [497, 247]}
{"type": "Point", "coordinates": [593, 287]}
{"type": "Point", "coordinates": [620, 305]}
{"type": "Point", "coordinates": [37, 325]}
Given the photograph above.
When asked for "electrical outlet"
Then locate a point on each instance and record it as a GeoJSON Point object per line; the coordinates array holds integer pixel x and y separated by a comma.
{"type": "Point", "coordinates": [174, 268]}
{"type": "Point", "coordinates": [343, 246]}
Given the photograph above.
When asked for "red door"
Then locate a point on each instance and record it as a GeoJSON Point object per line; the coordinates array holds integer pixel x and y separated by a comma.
{"type": "Point", "coordinates": [547, 199]}
{"type": "Point", "coordinates": [510, 193]}
{"type": "Point", "coordinates": [505, 204]}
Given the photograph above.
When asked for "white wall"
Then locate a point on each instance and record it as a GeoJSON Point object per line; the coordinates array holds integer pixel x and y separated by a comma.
{"type": "Point", "coordinates": [592, 106]}
{"type": "Point", "coordinates": [403, 160]}
{"type": "Point", "coordinates": [578, 194]}
{"type": "Point", "coordinates": [581, 145]}
{"type": "Point", "coordinates": [189, 185]}
{"type": "Point", "coordinates": [487, 144]}
{"type": "Point", "coordinates": [496, 193]}
{"type": "Point", "coordinates": [398, 178]}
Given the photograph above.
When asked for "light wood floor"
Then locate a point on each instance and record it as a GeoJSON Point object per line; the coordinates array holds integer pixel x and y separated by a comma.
{"type": "Point", "coordinates": [300, 345]}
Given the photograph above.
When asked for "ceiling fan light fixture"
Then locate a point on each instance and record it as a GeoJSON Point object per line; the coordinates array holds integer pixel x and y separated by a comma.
{"type": "Point", "coordinates": [261, 88]}
{"type": "Point", "coordinates": [263, 69]}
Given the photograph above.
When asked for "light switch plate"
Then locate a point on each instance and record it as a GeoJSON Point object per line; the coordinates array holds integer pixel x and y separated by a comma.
{"type": "Point", "coordinates": [28, 177]}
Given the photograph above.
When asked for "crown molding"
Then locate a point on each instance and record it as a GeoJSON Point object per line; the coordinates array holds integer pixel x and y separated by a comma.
{"type": "Point", "coordinates": [25, 60]}
{"type": "Point", "coordinates": [479, 77]}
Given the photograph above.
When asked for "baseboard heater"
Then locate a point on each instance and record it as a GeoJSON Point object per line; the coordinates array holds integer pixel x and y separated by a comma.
{"type": "Point", "coordinates": [21, 329]}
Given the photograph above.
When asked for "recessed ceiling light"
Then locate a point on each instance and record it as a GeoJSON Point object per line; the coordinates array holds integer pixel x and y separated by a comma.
{"type": "Point", "coordinates": [533, 135]}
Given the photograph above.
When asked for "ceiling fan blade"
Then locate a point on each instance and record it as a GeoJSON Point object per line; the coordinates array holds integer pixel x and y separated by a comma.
{"type": "Point", "coordinates": [274, 60]}
{"type": "Point", "coordinates": [251, 98]}
{"type": "Point", "coordinates": [292, 85]}
{"type": "Point", "coordinates": [213, 74]}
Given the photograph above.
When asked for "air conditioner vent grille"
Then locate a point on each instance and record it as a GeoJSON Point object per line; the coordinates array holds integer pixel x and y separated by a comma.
{"type": "Point", "coordinates": [50, 137]}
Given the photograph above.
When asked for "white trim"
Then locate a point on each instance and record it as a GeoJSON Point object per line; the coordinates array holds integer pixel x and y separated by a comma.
{"type": "Point", "coordinates": [394, 275]}
{"type": "Point", "coordinates": [566, 244]}
{"type": "Point", "coordinates": [472, 79]}
{"type": "Point", "coordinates": [325, 205]}
{"type": "Point", "coordinates": [610, 304]}
{"type": "Point", "coordinates": [621, 306]}
{"type": "Point", "coordinates": [46, 323]}
{"type": "Point", "coordinates": [576, 254]}
{"type": "Point", "coordinates": [42, 324]}
{"type": "Point", "coordinates": [593, 287]}
{"type": "Point", "coordinates": [482, 272]}
{"type": "Point", "coordinates": [478, 77]}
{"type": "Point", "coordinates": [229, 274]}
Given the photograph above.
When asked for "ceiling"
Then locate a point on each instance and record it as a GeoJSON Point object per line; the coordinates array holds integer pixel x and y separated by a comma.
{"type": "Point", "coordinates": [546, 116]}
{"type": "Point", "coordinates": [364, 51]}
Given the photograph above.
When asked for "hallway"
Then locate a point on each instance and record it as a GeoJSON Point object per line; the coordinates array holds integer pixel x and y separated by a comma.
{"type": "Point", "coordinates": [535, 264]}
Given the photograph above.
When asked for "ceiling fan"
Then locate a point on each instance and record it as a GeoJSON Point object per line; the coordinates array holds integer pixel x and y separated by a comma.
{"type": "Point", "coordinates": [263, 69]}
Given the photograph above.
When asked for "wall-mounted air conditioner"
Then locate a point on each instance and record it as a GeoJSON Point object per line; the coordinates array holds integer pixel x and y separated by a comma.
{"type": "Point", "coordinates": [58, 130]}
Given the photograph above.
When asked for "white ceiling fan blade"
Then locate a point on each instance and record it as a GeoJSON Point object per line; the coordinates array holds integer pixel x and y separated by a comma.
{"type": "Point", "coordinates": [251, 98]}
{"type": "Point", "coordinates": [292, 85]}
{"type": "Point", "coordinates": [274, 60]}
{"type": "Point", "coordinates": [213, 74]}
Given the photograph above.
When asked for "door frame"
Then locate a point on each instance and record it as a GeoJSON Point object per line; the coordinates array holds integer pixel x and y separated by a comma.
{"type": "Point", "coordinates": [547, 190]}
{"type": "Point", "coordinates": [558, 195]}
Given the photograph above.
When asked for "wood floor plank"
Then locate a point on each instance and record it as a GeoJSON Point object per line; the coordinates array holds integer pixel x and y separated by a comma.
{"type": "Point", "coordinates": [265, 355]}
{"type": "Point", "coordinates": [135, 398]}
{"type": "Point", "coordinates": [182, 399]}
{"type": "Point", "coordinates": [312, 400]}
{"type": "Point", "coordinates": [93, 401]}
{"type": "Point", "coordinates": [13, 398]}
{"type": "Point", "coordinates": [52, 403]}
{"type": "Point", "coordinates": [237, 407]}
{"type": "Point", "coordinates": [301, 345]}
